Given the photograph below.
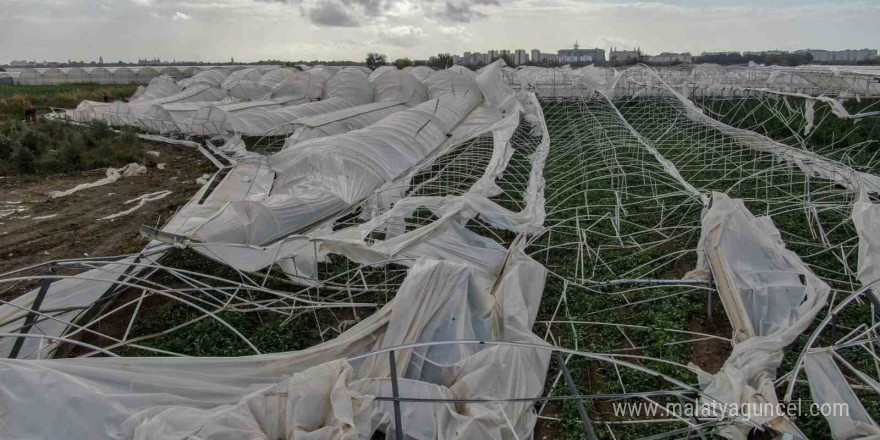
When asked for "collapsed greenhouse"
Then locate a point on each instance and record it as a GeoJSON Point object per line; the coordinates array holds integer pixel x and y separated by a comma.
{"type": "Point", "coordinates": [507, 253]}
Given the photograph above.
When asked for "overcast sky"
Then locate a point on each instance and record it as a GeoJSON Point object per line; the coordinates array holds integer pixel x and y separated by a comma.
{"type": "Point", "coordinates": [250, 30]}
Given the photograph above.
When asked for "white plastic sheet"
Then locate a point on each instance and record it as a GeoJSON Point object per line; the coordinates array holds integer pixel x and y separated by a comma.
{"type": "Point", "coordinates": [770, 297]}
{"type": "Point", "coordinates": [314, 393]}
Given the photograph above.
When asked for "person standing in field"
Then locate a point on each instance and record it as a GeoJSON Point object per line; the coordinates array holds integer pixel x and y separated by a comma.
{"type": "Point", "coordinates": [30, 113]}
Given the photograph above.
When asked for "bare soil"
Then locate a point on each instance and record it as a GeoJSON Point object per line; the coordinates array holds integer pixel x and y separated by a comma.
{"type": "Point", "coordinates": [28, 237]}
{"type": "Point", "coordinates": [710, 354]}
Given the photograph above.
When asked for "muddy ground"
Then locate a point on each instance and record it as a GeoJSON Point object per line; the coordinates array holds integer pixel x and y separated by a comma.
{"type": "Point", "coordinates": [46, 229]}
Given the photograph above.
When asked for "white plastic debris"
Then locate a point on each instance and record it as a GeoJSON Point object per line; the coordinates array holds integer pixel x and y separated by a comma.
{"type": "Point", "coordinates": [113, 174]}
{"type": "Point", "coordinates": [141, 201]}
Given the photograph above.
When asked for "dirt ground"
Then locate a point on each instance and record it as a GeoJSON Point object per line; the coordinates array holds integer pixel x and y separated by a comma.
{"type": "Point", "coordinates": [28, 235]}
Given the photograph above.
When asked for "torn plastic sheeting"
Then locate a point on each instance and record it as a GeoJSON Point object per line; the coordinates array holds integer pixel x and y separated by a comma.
{"type": "Point", "coordinates": [245, 84]}
{"type": "Point", "coordinates": [496, 94]}
{"type": "Point", "coordinates": [141, 201]}
{"type": "Point", "coordinates": [770, 297]}
{"type": "Point", "coordinates": [866, 218]}
{"type": "Point", "coordinates": [341, 121]}
{"type": "Point", "coordinates": [159, 87]}
{"type": "Point", "coordinates": [210, 120]}
{"type": "Point", "coordinates": [275, 77]}
{"type": "Point", "coordinates": [213, 77]}
{"type": "Point", "coordinates": [829, 387]}
{"type": "Point", "coordinates": [297, 259]}
{"type": "Point", "coordinates": [113, 174]}
{"type": "Point", "coordinates": [305, 85]}
{"type": "Point", "coordinates": [343, 169]}
{"type": "Point", "coordinates": [399, 87]}
{"type": "Point", "coordinates": [445, 238]}
{"type": "Point", "coordinates": [141, 113]}
{"type": "Point", "coordinates": [310, 392]}
{"type": "Point", "coordinates": [836, 106]}
{"type": "Point", "coordinates": [808, 162]}
{"type": "Point", "coordinates": [70, 293]}
{"type": "Point", "coordinates": [256, 223]}
{"type": "Point", "coordinates": [347, 88]}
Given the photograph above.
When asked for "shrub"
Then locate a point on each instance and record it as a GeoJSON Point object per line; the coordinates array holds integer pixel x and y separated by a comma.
{"type": "Point", "coordinates": [7, 146]}
{"type": "Point", "coordinates": [73, 157]}
{"type": "Point", "coordinates": [34, 140]}
{"type": "Point", "coordinates": [25, 161]}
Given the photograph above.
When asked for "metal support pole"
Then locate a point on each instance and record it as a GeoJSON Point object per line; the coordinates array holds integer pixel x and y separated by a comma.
{"type": "Point", "coordinates": [31, 317]}
{"type": "Point", "coordinates": [398, 422]}
{"type": "Point", "coordinates": [572, 388]}
{"type": "Point", "coordinates": [709, 305]}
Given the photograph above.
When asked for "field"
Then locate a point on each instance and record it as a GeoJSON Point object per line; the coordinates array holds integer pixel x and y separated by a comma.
{"type": "Point", "coordinates": [626, 180]}
{"type": "Point", "coordinates": [46, 156]}
{"type": "Point", "coordinates": [14, 99]}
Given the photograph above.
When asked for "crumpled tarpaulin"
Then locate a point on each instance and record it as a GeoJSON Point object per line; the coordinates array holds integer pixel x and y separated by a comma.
{"type": "Point", "coordinates": [770, 297]}
{"type": "Point", "coordinates": [113, 174]}
{"type": "Point", "coordinates": [866, 218]}
{"type": "Point", "coordinates": [235, 233]}
{"type": "Point", "coordinates": [828, 386]}
{"type": "Point", "coordinates": [347, 88]}
{"type": "Point", "coordinates": [314, 393]}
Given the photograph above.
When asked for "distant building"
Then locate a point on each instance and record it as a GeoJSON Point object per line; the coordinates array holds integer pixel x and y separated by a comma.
{"type": "Point", "coordinates": [520, 57]}
{"type": "Point", "coordinates": [669, 57]}
{"type": "Point", "coordinates": [578, 55]}
{"type": "Point", "coordinates": [472, 59]}
{"type": "Point", "coordinates": [765, 52]}
{"type": "Point", "coordinates": [493, 55]}
{"type": "Point", "coordinates": [621, 56]}
{"type": "Point", "coordinates": [840, 56]}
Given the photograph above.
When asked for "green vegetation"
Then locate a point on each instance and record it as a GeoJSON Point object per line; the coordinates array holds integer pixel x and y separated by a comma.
{"type": "Point", "coordinates": [51, 147]}
{"type": "Point", "coordinates": [440, 61]}
{"type": "Point", "coordinates": [375, 59]}
{"type": "Point", "coordinates": [400, 63]}
{"type": "Point", "coordinates": [47, 147]}
{"type": "Point", "coordinates": [14, 99]}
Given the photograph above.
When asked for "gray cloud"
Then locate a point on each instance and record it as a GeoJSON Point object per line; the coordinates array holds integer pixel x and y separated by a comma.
{"type": "Point", "coordinates": [401, 36]}
{"type": "Point", "coordinates": [353, 13]}
{"type": "Point", "coordinates": [332, 13]}
{"type": "Point", "coordinates": [370, 8]}
{"type": "Point", "coordinates": [461, 13]}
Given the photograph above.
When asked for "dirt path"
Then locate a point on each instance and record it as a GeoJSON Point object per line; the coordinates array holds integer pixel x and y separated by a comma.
{"type": "Point", "coordinates": [67, 227]}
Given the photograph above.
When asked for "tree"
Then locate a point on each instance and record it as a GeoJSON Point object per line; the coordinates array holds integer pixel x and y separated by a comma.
{"type": "Point", "coordinates": [441, 61]}
{"type": "Point", "coordinates": [400, 63]}
{"type": "Point", "coordinates": [375, 59]}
